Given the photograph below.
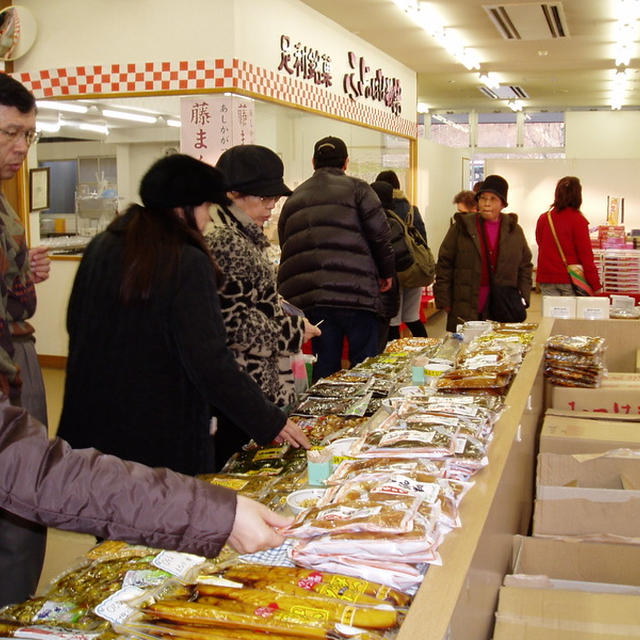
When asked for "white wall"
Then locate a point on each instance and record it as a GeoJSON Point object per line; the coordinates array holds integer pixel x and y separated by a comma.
{"type": "Point", "coordinates": [602, 134]}
{"type": "Point", "coordinates": [104, 31]}
{"type": "Point", "coordinates": [439, 179]}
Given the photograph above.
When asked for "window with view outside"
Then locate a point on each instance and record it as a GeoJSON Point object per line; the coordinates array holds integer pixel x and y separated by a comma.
{"type": "Point", "coordinates": [543, 129]}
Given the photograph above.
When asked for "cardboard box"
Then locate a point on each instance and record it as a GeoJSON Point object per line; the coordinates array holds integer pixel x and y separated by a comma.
{"type": "Point", "coordinates": [569, 435]}
{"type": "Point", "coordinates": [552, 614]}
{"type": "Point", "coordinates": [592, 308]}
{"type": "Point", "coordinates": [610, 398]}
{"type": "Point", "coordinates": [593, 415]}
{"type": "Point", "coordinates": [622, 338]}
{"type": "Point", "coordinates": [588, 497]}
{"type": "Point", "coordinates": [597, 562]}
{"type": "Point", "coordinates": [559, 307]}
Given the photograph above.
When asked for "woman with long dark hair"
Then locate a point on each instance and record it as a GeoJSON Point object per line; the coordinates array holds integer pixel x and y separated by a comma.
{"type": "Point", "coordinates": [148, 364]}
{"type": "Point", "coordinates": [572, 230]}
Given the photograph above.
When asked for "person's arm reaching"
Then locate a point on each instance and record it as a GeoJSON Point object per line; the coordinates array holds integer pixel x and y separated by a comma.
{"type": "Point", "coordinates": [86, 491]}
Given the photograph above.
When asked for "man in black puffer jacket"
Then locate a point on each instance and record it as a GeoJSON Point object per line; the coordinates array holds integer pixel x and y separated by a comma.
{"type": "Point", "coordinates": [336, 257]}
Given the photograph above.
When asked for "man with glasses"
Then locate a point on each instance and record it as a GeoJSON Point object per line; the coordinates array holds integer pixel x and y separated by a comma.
{"type": "Point", "coordinates": [22, 543]}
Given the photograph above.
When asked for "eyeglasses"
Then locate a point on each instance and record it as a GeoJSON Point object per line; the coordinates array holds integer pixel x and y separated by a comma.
{"type": "Point", "coordinates": [30, 136]}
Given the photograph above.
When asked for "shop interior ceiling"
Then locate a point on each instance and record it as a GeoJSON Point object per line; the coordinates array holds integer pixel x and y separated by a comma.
{"type": "Point", "coordinates": [567, 62]}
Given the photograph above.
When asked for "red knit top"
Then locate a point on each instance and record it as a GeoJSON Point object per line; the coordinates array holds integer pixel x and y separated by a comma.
{"type": "Point", "coordinates": [572, 230]}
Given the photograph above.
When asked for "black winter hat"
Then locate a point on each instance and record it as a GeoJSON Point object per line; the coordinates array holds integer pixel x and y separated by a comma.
{"type": "Point", "coordinates": [253, 170]}
{"type": "Point", "coordinates": [180, 180]}
{"type": "Point", "coordinates": [385, 192]}
{"type": "Point", "coordinates": [330, 148]}
{"type": "Point", "coordinates": [494, 184]}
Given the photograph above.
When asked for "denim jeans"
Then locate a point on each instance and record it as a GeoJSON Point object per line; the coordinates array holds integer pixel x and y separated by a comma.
{"type": "Point", "coordinates": [358, 326]}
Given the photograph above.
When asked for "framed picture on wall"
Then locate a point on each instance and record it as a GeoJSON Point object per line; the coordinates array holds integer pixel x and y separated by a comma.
{"type": "Point", "coordinates": [39, 189]}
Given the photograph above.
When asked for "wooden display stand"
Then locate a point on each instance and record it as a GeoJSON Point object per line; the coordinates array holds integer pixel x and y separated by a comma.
{"type": "Point", "coordinates": [459, 598]}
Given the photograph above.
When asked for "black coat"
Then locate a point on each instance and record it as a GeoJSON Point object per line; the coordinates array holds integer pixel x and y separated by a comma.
{"type": "Point", "coordinates": [335, 243]}
{"type": "Point", "coordinates": [141, 379]}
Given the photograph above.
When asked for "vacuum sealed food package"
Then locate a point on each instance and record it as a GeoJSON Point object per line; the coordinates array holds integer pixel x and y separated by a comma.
{"type": "Point", "coordinates": [380, 517]}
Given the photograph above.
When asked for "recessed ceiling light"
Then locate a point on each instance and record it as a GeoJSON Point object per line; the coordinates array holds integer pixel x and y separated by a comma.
{"type": "Point", "coordinates": [543, 52]}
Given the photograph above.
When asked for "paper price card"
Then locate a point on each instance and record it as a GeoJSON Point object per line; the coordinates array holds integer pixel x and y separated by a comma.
{"type": "Point", "coordinates": [115, 609]}
{"type": "Point", "coordinates": [176, 563]}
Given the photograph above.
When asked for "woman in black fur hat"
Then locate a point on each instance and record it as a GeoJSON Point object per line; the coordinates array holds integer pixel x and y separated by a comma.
{"type": "Point", "coordinates": [148, 364]}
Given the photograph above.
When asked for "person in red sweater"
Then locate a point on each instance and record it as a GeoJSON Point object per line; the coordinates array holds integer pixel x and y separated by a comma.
{"type": "Point", "coordinates": [572, 229]}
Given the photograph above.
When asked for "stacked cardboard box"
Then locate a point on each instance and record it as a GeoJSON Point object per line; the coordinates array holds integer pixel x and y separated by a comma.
{"type": "Point", "coordinates": [619, 391]}
{"type": "Point", "coordinates": [561, 590]}
{"type": "Point", "coordinates": [570, 581]}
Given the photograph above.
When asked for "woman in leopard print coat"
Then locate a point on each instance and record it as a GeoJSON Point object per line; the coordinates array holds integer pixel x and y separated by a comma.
{"type": "Point", "coordinates": [259, 333]}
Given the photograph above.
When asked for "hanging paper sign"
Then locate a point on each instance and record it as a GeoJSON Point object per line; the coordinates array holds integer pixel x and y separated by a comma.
{"type": "Point", "coordinates": [213, 124]}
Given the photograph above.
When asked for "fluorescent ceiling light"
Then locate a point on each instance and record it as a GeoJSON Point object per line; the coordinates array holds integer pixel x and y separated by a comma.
{"type": "Point", "coordinates": [97, 128]}
{"type": "Point", "coordinates": [428, 19]}
{"type": "Point", "coordinates": [173, 123]}
{"type": "Point", "coordinates": [490, 80]}
{"type": "Point", "coordinates": [126, 115]}
{"type": "Point", "coordinates": [422, 107]}
{"type": "Point", "coordinates": [619, 89]}
{"type": "Point", "coordinates": [49, 127]}
{"type": "Point", "coordinates": [515, 105]}
{"type": "Point", "coordinates": [61, 106]}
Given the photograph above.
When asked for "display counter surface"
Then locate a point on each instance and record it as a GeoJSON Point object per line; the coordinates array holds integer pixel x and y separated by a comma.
{"type": "Point", "coordinates": [459, 598]}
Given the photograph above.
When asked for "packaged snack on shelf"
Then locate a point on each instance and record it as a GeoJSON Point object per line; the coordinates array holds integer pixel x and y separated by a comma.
{"type": "Point", "coordinates": [342, 587]}
{"type": "Point", "coordinates": [379, 517]}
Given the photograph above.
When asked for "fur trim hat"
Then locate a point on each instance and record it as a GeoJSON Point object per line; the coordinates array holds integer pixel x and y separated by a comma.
{"type": "Point", "coordinates": [180, 180]}
{"type": "Point", "coordinates": [494, 184]}
{"type": "Point", "coordinates": [330, 148]}
{"type": "Point", "coordinates": [253, 170]}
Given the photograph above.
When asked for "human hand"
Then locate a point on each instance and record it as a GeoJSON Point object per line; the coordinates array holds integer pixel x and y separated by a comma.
{"type": "Point", "coordinates": [384, 284]}
{"type": "Point", "coordinates": [292, 434]}
{"type": "Point", "coordinates": [310, 330]}
{"type": "Point", "coordinates": [254, 527]}
{"type": "Point", "coordinates": [39, 263]}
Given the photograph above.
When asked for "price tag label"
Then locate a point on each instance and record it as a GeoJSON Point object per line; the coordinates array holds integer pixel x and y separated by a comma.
{"type": "Point", "coordinates": [176, 563]}
{"type": "Point", "coordinates": [115, 609]}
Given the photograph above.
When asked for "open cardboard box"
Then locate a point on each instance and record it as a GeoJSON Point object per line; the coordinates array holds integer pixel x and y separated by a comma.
{"type": "Point", "coordinates": [553, 614]}
{"type": "Point", "coordinates": [594, 497]}
{"type": "Point", "coordinates": [589, 608]}
{"type": "Point", "coordinates": [619, 392]}
{"type": "Point", "coordinates": [572, 433]}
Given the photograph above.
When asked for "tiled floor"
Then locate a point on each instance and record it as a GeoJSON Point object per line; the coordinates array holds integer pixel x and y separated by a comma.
{"type": "Point", "coordinates": [64, 547]}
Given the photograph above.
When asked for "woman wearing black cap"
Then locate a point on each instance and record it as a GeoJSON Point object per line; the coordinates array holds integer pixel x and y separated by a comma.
{"type": "Point", "coordinates": [147, 353]}
{"type": "Point", "coordinates": [260, 335]}
{"type": "Point", "coordinates": [480, 248]}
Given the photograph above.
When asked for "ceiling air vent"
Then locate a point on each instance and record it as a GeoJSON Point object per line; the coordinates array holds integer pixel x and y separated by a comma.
{"type": "Point", "coordinates": [529, 20]}
{"type": "Point", "coordinates": [505, 92]}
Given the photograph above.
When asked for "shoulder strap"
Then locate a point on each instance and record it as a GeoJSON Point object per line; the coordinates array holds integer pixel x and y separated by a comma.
{"type": "Point", "coordinates": [555, 237]}
{"type": "Point", "coordinates": [394, 216]}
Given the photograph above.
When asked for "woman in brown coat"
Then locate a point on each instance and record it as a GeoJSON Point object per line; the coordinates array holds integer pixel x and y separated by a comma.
{"type": "Point", "coordinates": [462, 272]}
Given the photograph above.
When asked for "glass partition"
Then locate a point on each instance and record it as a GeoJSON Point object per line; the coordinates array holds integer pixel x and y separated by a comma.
{"type": "Point", "coordinates": [100, 160]}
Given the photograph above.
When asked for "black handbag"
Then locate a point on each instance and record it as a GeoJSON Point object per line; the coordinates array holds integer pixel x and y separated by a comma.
{"type": "Point", "coordinates": [505, 303]}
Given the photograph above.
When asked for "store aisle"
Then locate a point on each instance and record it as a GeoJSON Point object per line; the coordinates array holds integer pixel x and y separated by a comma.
{"type": "Point", "coordinates": [64, 547]}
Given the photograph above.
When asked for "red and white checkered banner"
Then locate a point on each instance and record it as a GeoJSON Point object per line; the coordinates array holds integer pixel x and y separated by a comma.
{"type": "Point", "coordinates": [206, 75]}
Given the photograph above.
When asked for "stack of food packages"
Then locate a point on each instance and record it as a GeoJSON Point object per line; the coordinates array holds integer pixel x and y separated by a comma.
{"type": "Point", "coordinates": [574, 361]}
{"type": "Point", "coordinates": [353, 560]}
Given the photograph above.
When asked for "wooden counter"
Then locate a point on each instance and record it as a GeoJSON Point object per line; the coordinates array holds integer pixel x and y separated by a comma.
{"type": "Point", "coordinates": [457, 600]}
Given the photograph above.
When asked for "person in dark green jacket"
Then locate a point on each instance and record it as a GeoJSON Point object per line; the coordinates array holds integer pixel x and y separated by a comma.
{"type": "Point", "coordinates": [475, 244]}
